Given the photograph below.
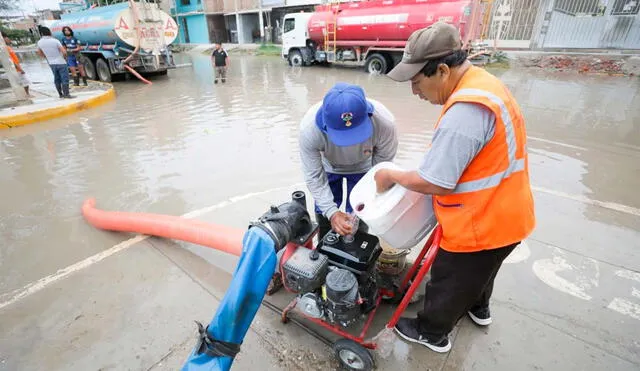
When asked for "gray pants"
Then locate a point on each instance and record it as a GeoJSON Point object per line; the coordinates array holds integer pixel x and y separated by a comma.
{"type": "Point", "coordinates": [221, 73]}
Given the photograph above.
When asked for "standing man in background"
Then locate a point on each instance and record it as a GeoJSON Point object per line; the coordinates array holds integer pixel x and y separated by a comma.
{"type": "Point", "coordinates": [73, 50]}
{"type": "Point", "coordinates": [220, 60]}
{"type": "Point", "coordinates": [341, 138]}
{"type": "Point", "coordinates": [477, 171]}
{"type": "Point", "coordinates": [55, 54]}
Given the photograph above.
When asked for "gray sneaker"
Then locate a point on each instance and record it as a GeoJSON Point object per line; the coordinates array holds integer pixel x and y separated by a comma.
{"type": "Point", "coordinates": [407, 328]}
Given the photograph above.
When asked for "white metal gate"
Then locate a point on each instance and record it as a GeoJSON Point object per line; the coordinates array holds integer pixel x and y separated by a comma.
{"type": "Point", "coordinates": [592, 24]}
{"type": "Point", "coordinates": [512, 23]}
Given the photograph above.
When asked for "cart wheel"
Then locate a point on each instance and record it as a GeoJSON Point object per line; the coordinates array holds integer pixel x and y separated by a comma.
{"type": "Point", "coordinates": [352, 355]}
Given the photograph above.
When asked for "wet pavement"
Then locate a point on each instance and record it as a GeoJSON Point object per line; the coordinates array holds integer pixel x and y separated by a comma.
{"type": "Point", "coordinates": [568, 299]}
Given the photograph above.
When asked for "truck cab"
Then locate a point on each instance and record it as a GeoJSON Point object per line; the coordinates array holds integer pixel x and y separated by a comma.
{"type": "Point", "coordinates": [297, 48]}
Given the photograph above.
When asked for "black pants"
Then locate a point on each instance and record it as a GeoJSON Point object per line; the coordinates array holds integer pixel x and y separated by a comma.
{"type": "Point", "coordinates": [459, 282]}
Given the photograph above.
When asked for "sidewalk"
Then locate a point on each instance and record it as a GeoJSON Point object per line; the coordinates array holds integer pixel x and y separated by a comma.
{"type": "Point", "coordinates": [47, 105]}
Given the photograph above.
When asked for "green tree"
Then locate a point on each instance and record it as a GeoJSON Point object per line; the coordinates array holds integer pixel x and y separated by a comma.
{"type": "Point", "coordinates": [8, 5]}
{"type": "Point", "coordinates": [21, 37]}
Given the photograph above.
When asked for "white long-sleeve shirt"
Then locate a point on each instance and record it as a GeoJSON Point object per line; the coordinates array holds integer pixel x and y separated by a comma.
{"type": "Point", "coordinates": [320, 156]}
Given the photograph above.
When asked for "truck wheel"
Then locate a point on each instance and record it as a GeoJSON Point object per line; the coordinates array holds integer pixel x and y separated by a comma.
{"type": "Point", "coordinates": [376, 64]}
{"type": "Point", "coordinates": [295, 59]}
{"type": "Point", "coordinates": [104, 73]}
{"type": "Point", "coordinates": [89, 68]}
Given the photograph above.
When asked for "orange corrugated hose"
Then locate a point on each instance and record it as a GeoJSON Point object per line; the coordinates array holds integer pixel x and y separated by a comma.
{"type": "Point", "coordinates": [136, 74]}
{"type": "Point", "coordinates": [215, 236]}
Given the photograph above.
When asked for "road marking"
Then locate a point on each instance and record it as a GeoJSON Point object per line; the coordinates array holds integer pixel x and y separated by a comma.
{"type": "Point", "coordinates": [624, 273]}
{"type": "Point", "coordinates": [625, 307]}
{"type": "Point", "coordinates": [556, 143]}
{"type": "Point", "coordinates": [232, 200]}
{"type": "Point", "coordinates": [42, 283]}
{"type": "Point", "coordinates": [519, 254]}
{"type": "Point", "coordinates": [607, 205]}
{"type": "Point", "coordinates": [627, 145]}
{"type": "Point", "coordinates": [547, 271]}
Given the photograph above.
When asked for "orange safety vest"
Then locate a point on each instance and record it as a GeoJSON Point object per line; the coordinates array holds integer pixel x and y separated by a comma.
{"type": "Point", "coordinates": [492, 204]}
{"type": "Point", "coordinates": [13, 55]}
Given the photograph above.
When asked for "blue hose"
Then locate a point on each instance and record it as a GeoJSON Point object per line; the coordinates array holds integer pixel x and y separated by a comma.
{"type": "Point", "coordinates": [240, 303]}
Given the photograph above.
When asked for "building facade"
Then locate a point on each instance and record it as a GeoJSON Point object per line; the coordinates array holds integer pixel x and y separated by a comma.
{"type": "Point", "coordinates": [233, 21]}
{"type": "Point", "coordinates": [507, 24]}
{"type": "Point", "coordinates": [563, 24]}
{"type": "Point", "coordinates": [279, 8]}
{"type": "Point", "coordinates": [192, 21]}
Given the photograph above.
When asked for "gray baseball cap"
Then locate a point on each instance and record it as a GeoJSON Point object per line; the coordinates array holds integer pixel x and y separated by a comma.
{"type": "Point", "coordinates": [438, 40]}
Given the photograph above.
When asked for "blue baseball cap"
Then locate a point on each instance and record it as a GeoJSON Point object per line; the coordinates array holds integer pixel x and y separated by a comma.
{"type": "Point", "coordinates": [345, 115]}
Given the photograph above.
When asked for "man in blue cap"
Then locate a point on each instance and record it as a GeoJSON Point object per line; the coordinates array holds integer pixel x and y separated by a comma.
{"type": "Point", "coordinates": [341, 138]}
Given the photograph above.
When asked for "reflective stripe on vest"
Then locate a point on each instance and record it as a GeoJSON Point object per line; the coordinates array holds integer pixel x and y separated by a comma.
{"type": "Point", "coordinates": [514, 165]}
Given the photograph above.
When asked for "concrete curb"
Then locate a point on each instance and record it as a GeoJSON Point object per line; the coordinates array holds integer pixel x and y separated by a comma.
{"type": "Point", "coordinates": [21, 119]}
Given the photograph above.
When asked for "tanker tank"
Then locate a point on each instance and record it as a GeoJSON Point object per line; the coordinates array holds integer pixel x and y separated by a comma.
{"type": "Point", "coordinates": [385, 23]}
{"type": "Point", "coordinates": [108, 38]}
{"type": "Point", "coordinates": [372, 34]}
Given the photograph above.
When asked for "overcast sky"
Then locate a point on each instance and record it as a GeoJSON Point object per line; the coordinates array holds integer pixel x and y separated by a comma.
{"type": "Point", "coordinates": [30, 5]}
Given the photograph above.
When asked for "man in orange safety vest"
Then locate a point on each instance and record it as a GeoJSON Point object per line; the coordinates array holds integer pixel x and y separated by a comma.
{"type": "Point", "coordinates": [478, 174]}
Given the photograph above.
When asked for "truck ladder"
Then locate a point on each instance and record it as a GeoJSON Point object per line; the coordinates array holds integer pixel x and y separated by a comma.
{"type": "Point", "coordinates": [331, 28]}
{"type": "Point", "coordinates": [486, 18]}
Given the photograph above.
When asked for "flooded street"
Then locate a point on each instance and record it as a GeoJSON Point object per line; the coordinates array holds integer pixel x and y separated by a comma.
{"type": "Point", "coordinates": [184, 143]}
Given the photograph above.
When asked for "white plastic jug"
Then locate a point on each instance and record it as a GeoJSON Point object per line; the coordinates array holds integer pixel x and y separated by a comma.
{"type": "Point", "coordinates": [399, 216]}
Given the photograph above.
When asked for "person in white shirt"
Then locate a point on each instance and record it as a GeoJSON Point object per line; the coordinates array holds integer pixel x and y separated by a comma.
{"type": "Point", "coordinates": [56, 56]}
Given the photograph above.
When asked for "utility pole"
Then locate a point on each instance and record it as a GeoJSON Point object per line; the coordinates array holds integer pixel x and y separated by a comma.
{"type": "Point", "coordinates": [10, 69]}
{"type": "Point", "coordinates": [261, 21]}
{"type": "Point", "coordinates": [239, 30]}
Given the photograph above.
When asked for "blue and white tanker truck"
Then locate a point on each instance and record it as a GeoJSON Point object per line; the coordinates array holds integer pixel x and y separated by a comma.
{"type": "Point", "coordinates": [131, 33]}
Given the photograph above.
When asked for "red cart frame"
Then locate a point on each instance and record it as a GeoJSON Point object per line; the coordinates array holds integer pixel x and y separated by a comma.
{"type": "Point", "coordinates": [415, 275]}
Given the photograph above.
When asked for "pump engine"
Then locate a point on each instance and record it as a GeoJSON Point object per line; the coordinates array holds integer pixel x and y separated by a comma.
{"type": "Point", "coordinates": [336, 280]}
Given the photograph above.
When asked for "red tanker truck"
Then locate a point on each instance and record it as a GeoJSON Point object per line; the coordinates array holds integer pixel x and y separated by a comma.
{"type": "Point", "coordinates": [370, 33]}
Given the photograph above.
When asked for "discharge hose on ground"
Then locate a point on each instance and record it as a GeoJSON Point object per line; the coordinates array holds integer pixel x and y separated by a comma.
{"type": "Point", "coordinates": [218, 237]}
{"type": "Point", "coordinates": [136, 74]}
{"type": "Point", "coordinates": [220, 341]}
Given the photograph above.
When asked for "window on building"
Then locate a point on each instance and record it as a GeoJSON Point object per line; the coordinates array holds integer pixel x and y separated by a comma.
{"type": "Point", "coordinates": [289, 24]}
{"type": "Point", "coordinates": [625, 7]}
{"type": "Point", "coordinates": [185, 2]}
{"type": "Point", "coordinates": [581, 8]}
